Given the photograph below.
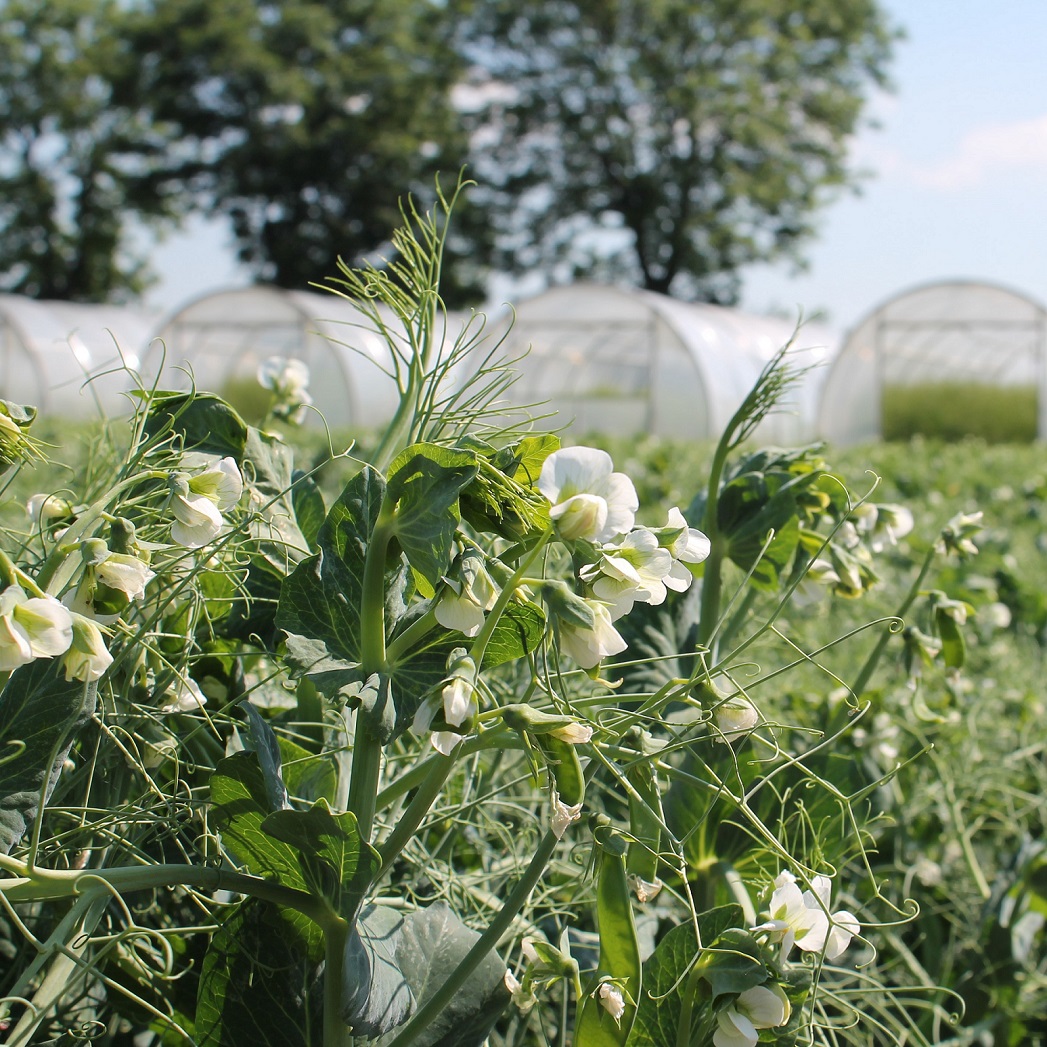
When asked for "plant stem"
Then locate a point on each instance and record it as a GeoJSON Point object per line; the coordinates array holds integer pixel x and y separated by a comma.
{"type": "Point", "coordinates": [483, 945]}
{"type": "Point", "coordinates": [54, 884]}
{"type": "Point", "coordinates": [367, 749]}
{"type": "Point", "coordinates": [336, 933]}
{"type": "Point", "coordinates": [416, 810]}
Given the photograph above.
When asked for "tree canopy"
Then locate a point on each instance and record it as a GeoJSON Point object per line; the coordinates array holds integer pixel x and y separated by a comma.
{"type": "Point", "coordinates": [664, 142]}
{"type": "Point", "coordinates": [670, 142]}
{"type": "Point", "coordinates": [73, 166]}
{"type": "Point", "coordinates": [303, 122]}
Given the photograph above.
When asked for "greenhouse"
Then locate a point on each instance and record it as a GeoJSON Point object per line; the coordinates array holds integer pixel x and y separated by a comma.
{"type": "Point", "coordinates": [945, 359]}
{"type": "Point", "coordinates": [620, 360]}
{"type": "Point", "coordinates": [217, 342]}
{"type": "Point", "coordinates": [49, 350]}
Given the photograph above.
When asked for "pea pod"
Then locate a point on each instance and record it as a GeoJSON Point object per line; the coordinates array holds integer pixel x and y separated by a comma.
{"type": "Point", "coordinates": [565, 768]}
{"type": "Point", "coordinates": [616, 984]}
{"type": "Point", "coordinates": [645, 826]}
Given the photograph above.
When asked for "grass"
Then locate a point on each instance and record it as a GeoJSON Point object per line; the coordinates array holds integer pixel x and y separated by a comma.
{"type": "Point", "coordinates": [952, 410]}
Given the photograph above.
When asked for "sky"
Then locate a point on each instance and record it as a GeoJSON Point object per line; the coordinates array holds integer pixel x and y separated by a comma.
{"type": "Point", "coordinates": [955, 188]}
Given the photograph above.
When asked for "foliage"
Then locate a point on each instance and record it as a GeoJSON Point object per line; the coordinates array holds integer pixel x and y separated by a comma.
{"type": "Point", "coordinates": [952, 410]}
{"type": "Point", "coordinates": [462, 752]}
{"type": "Point", "coordinates": [298, 121]}
{"type": "Point", "coordinates": [669, 143]}
{"type": "Point", "coordinates": [75, 162]}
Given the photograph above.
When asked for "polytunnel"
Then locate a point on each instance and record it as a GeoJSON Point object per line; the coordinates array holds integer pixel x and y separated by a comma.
{"type": "Point", "coordinates": [69, 358]}
{"type": "Point", "coordinates": [946, 357]}
{"type": "Point", "coordinates": [220, 339]}
{"type": "Point", "coordinates": [624, 361]}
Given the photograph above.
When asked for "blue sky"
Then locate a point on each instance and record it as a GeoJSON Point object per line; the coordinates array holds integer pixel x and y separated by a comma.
{"type": "Point", "coordinates": [958, 172]}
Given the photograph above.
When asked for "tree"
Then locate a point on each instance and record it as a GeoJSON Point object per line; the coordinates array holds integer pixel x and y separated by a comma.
{"type": "Point", "coordinates": [303, 122]}
{"type": "Point", "coordinates": [668, 141]}
{"type": "Point", "coordinates": [72, 163]}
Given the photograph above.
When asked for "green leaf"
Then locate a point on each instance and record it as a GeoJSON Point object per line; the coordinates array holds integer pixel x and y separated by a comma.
{"type": "Point", "coordinates": [430, 944]}
{"type": "Point", "coordinates": [665, 979]}
{"type": "Point", "coordinates": [258, 985]}
{"type": "Point", "coordinates": [308, 776]}
{"type": "Point", "coordinates": [268, 466]}
{"type": "Point", "coordinates": [241, 803]}
{"type": "Point", "coordinates": [266, 747]}
{"type": "Point", "coordinates": [321, 598]}
{"type": "Point", "coordinates": [518, 632]}
{"type": "Point", "coordinates": [204, 421]}
{"type": "Point", "coordinates": [424, 483]}
{"type": "Point", "coordinates": [733, 963]}
{"type": "Point", "coordinates": [334, 860]}
{"type": "Point", "coordinates": [41, 715]}
{"type": "Point", "coordinates": [375, 995]}
{"type": "Point", "coordinates": [309, 507]}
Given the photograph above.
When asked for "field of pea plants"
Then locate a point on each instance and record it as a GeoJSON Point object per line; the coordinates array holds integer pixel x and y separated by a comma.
{"type": "Point", "coordinates": [474, 733]}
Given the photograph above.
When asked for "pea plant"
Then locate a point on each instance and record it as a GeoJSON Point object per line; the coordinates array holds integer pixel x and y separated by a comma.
{"type": "Point", "coordinates": [461, 753]}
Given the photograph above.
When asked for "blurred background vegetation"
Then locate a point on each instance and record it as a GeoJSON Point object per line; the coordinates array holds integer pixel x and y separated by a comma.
{"type": "Point", "coordinates": [666, 143]}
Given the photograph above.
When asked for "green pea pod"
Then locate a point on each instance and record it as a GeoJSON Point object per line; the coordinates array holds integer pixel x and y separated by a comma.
{"type": "Point", "coordinates": [526, 720]}
{"type": "Point", "coordinates": [954, 651]}
{"type": "Point", "coordinates": [645, 823]}
{"type": "Point", "coordinates": [617, 980]}
{"type": "Point", "coordinates": [565, 767]}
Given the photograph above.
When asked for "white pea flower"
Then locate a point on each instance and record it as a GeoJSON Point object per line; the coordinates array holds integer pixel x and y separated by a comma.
{"type": "Point", "coordinates": [88, 657]}
{"type": "Point", "coordinates": [686, 544]}
{"type": "Point", "coordinates": [126, 573]}
{"type": "Point", "coordinates": [445, 742]}
{"type": "Point", "coordinates": [736, 717]}
{"type": "Point", "coordinates": [611, 1000]}
{"type": "Point", "coordinates": [589, 500]}
{"type": "Point", "coordinates": [635, 570]}
{"type": "Point", "coordinates": [43, 508]}
{"type": "Point", "coordinates": [463, 603]}
{"type": "Point", "coordinates": [288, 380]}
{"type": "Point", "coordinates": [761, 1007]}
{"type": "Point", "coordinates": [802, 918]}
{"type": "Point", "coordinates": [563, 815]}
{"type": "Point", "coordinates": [199, 501]}
{"type": "Point", "coordinates": [184, 697]}
{"type": "Point", "coordinates": [588, 645]}
{"type": "Point", "coordinates": [459, 699]}
{"type": "Point", "coordinates": [31, 627]}
{"type": "Point", "coordinates": [883, 524]}
{"type": "Point", "coordinates": [573, 733]}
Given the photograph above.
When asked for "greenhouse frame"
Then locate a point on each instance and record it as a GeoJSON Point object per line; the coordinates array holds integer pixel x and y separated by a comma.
{"type": "Point", "coordinates": [625, 361]}
{"type": "Point", "coordinates": [217, 341]}
{"type": "Point", "coordinates": [69, 358]}
{"type": "Point", "coordinates": [930, 346]}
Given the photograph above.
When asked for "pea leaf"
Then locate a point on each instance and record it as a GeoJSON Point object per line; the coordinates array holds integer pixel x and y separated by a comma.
{"type": "Point", "coordinates": [269, 468]}
{"type": "Point", "coordinates": [375, 995]}
{"type": "Point", "coordinates": [258, 984]}
{"type": "Point", "coordinates": [266, 746]}
{"type": "Point", "coordinates": [41, 715]}
{"type": "Point", "coordinates": [424, 483]}
{"type": "Point", "coordinates": [665, 979]}
{"type": "Point", "coordinates": [333, 858]}
{"type": "Point", "coordinates": [204, 421]}
{"type": "Point", "coordinates": [430, 944]}
{"type": "Point", "coordinates": [321, 598]}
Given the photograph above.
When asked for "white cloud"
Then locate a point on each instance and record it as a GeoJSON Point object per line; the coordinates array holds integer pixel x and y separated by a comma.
{"type": "Point", "coordinates": [988, 150]}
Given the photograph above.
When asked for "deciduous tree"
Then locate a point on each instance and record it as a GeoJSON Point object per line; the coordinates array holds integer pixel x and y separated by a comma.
{"type": "Point", "coordinates": [667, 141]}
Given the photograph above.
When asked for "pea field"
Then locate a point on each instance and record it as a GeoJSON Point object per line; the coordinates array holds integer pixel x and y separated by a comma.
{"type": "Point", "coordinates": [474, 732]}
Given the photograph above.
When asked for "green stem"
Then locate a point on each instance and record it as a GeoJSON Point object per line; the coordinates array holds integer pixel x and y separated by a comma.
{"type": "Point", "coordinates": [416, 811]}
{"type": "Point", "coordinates": [483, 945]}
{"type": "Point", "coordinates": [712, 581]}
{"type": "Point", "coordinates": [862, 681]}
{"type": "Point", "coordinates": [38, 884]}
{"type": "Point", "coordinates": [336, 934]}
{"type": "Point", "coordinates": [403, 643]}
